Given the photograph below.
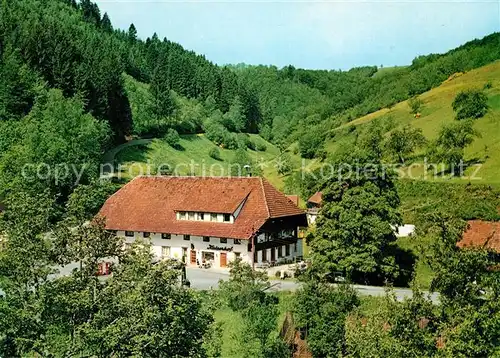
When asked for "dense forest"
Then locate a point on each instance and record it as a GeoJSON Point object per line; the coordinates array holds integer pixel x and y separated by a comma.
{"type": "Point", "coordinates": [74, 48]}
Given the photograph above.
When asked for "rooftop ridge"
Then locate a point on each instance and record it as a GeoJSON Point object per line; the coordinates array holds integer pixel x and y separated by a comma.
{"type": "Point", "coordinates": [265, 196]}
{"type": "Point", "coordinates": [149, 204]}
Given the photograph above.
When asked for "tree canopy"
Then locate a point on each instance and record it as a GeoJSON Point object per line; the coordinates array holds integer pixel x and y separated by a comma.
{"type": "Point", "coordinates": [355, 228]}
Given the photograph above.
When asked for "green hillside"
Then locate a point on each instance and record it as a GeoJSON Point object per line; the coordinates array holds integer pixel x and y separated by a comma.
{"type": "Point", "coordinates": [194, 150]}
{"type": "Point", "coordinates": [437, 111]}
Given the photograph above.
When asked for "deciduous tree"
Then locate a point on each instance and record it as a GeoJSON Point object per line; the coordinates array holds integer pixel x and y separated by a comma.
{"type": "Point", "coordinates": [403, 142]}
{"type": "Point", "coordinates": [354, 231]}
{"type": "Point", "coordinates": [451, 142]}
{"type": "Point", "coordinates": [470, 104]}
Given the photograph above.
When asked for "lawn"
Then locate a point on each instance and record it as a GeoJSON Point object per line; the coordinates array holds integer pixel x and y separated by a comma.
{"type": "Point", "coordinates": [192, 157]}
{"type": "Point", "coordinates": [234, 344]}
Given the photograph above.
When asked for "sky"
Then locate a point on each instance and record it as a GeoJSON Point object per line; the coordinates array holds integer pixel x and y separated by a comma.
{"type": "Point", "coordinates": [310, 34]}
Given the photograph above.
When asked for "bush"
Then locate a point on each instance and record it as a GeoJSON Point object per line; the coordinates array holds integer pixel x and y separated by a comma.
{"type": "Point", "coordinates": [261, 147]}
{"type": "Point", "coordinates": [214, 153]}
{"type": "Point", "coordinates": [243, 140]}
{"type": "Point", "coordinates": [415, 105]}
{"type": "Point", "coordinates": [230, 140]}
{"type": "Point", "coordinates": [284, 164]}
{"type": "Point", "coordinates": [488, 85]}
{"type": "Point", "coordinates": [172, 137]}
{"type": "Point", "coordinates": [251, 145]}
{"type": "Point", "coordinates": [214, 131]}
{"type": "Point", "coordinates": [218, 134]}
{"type": "Point", "coordinates": [470, 104]}
{"type": "Point", "coordinates": [310, 144]}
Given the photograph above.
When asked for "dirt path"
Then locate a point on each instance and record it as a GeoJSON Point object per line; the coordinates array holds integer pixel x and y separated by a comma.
{"type": "Point", "coordinates": [108, 159]}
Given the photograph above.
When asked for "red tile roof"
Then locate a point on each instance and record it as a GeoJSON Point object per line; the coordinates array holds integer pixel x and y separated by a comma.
{"type": "Point", "coordinates": [294, 199]}
{"type": "Point", "coordinates": [316, 198]}
{"type": "Point", "coordinates": [481, 233]}
{"type": "Point", "coordinates": [148, 204]}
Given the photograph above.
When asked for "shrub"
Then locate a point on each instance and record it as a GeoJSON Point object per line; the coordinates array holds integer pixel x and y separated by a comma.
{"type": "Point", "coordinates": [216, 132]}
{"type": "Point", "coordinates": [415, 105]}
{"type": "Point", "coordinates": [310, 144]}
{"type": "Point", "coordinates": [230, 140]}
{"type": "Point", "coordinates": [172, 137]}
{"type": "Point", "coordinates": [214, 153]}
{"type": "Point", "coordinates": [488, 85]}
{"type": "Point", "coordinates": [261, 147]}
{"type": "Point", "coordinates": [243, 140]}
{"type": "Point", "coordinates": [470, 104]}
{"type": "Point", "coordinates": [284, 164]}
{"type": "Point", "coordinates": [251, 145]}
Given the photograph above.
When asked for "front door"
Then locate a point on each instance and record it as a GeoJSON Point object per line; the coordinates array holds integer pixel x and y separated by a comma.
{"type": "Point", "coordinates": [273, 254]}
{"type": "Point", "coordinates": [184, 254]}
{"type": "Point", "coordinates": [223, 259]}
{"type": "Point", "coordinates": [193, 256]}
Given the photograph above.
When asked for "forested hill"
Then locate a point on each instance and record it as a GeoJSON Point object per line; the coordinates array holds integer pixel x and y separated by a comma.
{"type": "Point", "coordinates": [73, 85]}
{"type": "Point", "coordinates": [73, 47]}
{"type": "Point", "coordinates": [292, 100]}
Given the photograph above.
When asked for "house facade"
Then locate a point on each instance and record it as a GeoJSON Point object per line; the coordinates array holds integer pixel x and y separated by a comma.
{"type": "Point", "coordinates": [207, 219]}
{"type": "Point", "coordinates": [313, 205]}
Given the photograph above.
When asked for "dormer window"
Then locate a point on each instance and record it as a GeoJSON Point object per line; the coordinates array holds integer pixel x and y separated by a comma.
{"type": "Point", "coordinates": [202, 216]}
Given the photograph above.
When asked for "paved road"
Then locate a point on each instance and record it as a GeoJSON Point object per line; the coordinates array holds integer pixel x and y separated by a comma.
{"type": "Point", "coordinates": [203, 279]}
{"type": "Point", "coordinates": [206, 279]}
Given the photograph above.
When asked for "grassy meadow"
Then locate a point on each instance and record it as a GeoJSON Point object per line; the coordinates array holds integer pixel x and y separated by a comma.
{"type": "Point", "coordinates": [437, 111]}
{"type": "Point", "coordinates": [192, 157]}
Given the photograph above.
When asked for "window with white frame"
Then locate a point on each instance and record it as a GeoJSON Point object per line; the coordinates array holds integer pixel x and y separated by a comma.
{"type": "Point", "coordinates": [237, 241]}
{"type": "Point", "coordinates": [129, 233]}
{"type": "Point", "coordinates": [165, 251]}
{"type": "Point", "coordinates": [213, 217]}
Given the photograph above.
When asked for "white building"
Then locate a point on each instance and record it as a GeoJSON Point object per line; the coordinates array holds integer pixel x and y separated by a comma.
{"type": "Point", "coordinates": [313, 205]}
{"type": "Point", "coordinates": [200, 219]}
